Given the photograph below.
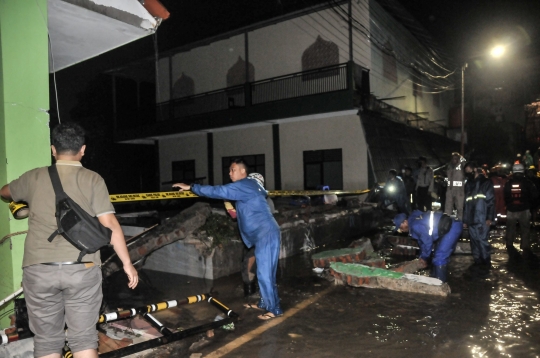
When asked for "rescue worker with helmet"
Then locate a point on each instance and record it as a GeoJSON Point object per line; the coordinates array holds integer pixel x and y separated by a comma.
{"type": "Point", "coordinates": [479, 213]}
{"type": "Point", "coordinates": [519, 194]}
{"type": "Point", "coordinates": [394, 192]}
{"type": "Point", "coordinates": [455, 193]}
{"type": "Point", "coordinates": [432, 229]}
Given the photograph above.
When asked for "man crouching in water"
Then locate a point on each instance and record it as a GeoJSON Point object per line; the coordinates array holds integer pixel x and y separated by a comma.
{"type": "Point", "coordinates": [432, 229]}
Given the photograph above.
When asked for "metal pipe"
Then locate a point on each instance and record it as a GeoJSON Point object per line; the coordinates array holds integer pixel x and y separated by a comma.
{"type": "Point", "coordinates": [131, 312]}
{"type": "Point", "coordinates": [176, 336]}
{"type": "Point", "coordinates": [10, 297]}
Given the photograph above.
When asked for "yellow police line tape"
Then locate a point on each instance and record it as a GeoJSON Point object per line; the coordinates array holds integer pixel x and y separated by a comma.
{"type": "Point", "coordinates": [117, 198]}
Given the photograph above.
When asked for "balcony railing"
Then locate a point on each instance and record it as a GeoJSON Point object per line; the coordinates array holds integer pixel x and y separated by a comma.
{"type": "Point", "coordinates": [203, 103]}
{"type": "Point", "coordinates": [321, 80]}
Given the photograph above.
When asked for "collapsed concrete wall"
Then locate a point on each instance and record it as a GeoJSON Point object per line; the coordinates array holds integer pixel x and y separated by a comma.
{"type": "Point", "coordinates": [203, 254]}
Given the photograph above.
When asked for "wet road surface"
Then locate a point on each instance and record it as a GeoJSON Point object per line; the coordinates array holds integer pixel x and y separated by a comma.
{"type": "Point", "coordinates": [494, 314]}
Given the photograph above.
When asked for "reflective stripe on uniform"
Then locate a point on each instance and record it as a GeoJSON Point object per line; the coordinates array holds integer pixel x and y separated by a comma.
{"type": "Point", "coordinates": [477, 196]}
{"type": "Point", "coordinates": [431, 223]}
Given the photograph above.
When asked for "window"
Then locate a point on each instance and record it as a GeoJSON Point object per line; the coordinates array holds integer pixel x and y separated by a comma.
{"type": "Point", "coordinates": [183, 171]}
{"type": "Point", "coordinates": [255, 164]}
{"type": "Point", "coordinates": [323, 168]}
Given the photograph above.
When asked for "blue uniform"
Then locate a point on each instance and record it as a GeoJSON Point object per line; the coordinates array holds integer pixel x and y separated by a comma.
{"type": "Point", "coordinates": [394, 192]}
{"type": "Point", "coordinates": [479, 207]}
{"type": "Point", "coordinates": [258, 228]}
{"type": "Point", "coordinates": [420, 225]}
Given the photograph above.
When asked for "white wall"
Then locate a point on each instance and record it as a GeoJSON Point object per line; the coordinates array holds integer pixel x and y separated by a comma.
{"type": "Point", "coordinates": [208, 65]}
{"type": "Point", "coordinates": [274, 50]}
{"type": "Point", "coordinates": [245, 141]}
{"type": "Point", "coordinates": [277, 49]}
{"type": "Point", "coordinates": [338, 131]}
{"type": "Point", "coordinates": [361, 44]}
{"type": "Point", "coordinates": [184, 147]}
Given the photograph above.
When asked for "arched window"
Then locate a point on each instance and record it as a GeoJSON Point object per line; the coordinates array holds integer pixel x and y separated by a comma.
{"type": "Point", "coordinates": [237, 73]}
{"type": "Point", "coordinates": [183, 87]}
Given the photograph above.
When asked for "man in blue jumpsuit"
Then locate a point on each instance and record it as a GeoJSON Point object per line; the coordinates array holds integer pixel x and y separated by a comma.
{"type": "Point", "coordinates": [479, 213]}
{"type": "Point", "coordinates": [257, 227]}
{"type": "Point", "coordinates": [432, 229]}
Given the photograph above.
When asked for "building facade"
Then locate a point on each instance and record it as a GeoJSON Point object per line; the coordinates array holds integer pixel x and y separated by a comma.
{"type": "Point", "coordinates": [291, 96]}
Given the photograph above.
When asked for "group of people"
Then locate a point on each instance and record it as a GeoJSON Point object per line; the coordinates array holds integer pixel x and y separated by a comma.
{"type": "Point", "coordinates": [413, 189]}
{"type": "Point", "coordinates": [61, 290]}
{"type": "Point", "coordinates": [473, 196]}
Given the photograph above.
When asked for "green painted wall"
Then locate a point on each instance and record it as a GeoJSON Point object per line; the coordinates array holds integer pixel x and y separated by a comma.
{"type": "Point", "coordinates": [24, 121]}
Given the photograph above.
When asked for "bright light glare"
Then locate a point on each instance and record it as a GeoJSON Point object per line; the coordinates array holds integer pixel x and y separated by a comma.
{"type": "Point", "coordinates": [497, 51]}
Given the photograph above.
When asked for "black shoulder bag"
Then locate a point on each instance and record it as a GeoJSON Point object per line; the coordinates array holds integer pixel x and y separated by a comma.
{"type": "Point", "coordinates": [81, 229]}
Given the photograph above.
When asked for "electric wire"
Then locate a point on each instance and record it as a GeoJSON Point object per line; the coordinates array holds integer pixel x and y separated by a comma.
{"type": "Point", "coordinates": [426, 47]}
{"type": "Point", "coordinates": [381, 46]}
{"type": "Point", "coordinates": [385, 50]}
{"type": "Point", "coordinates": [436, 89]}
{"type": "Point", "coordinates": [365, 31]}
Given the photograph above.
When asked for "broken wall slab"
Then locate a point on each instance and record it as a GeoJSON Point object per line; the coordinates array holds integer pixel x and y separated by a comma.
{"type": "Point", "coordinates": [307, 229]}
{"type": "Point", "coordinates": [187, 257]}
{"type": "Point", "coordinates": [360, 252]}
{"type": "Point", "coordinates": [301, 229]}
{"type": "Point", "coordinates": [357, 275]}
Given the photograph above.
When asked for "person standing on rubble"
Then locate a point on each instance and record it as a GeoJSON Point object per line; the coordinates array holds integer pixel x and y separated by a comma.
{"type": "Point", "coordinates": [519, 194]}
{"type": "Point", "coordinates": [424, 185]}
{"type": "Point", "coordinates": [432, 229]}
{"type": "Point", "coordinates": [479, 213]}
{"type": "Point", "coordinates": [410, 185]}
{"type": "Point", "coordinates": [59, 290]}
{"type": "Point", "coordinates": [257, 227]}
{"type": "Point", "coordinates": [455, 193]}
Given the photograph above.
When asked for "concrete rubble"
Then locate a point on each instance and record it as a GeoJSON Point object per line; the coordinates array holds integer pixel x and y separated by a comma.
{"type": "Point", "coordinates": [360, 251]}
{"type": "Point", "coordinates": [189, 248]}
{"type": "Point", "coordinates": [358, 275]}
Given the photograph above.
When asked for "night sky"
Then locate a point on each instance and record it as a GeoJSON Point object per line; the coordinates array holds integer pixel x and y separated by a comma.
{"type": "Point", "coordinates": [468, 27]}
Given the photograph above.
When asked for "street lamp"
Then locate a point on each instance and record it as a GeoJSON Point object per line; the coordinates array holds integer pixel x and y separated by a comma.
{"type": "Point", "coordinates": [496, 52]}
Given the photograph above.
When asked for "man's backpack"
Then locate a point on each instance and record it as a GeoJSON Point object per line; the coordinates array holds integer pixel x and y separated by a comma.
{"type": "Point", "coordinates": [81, 229]}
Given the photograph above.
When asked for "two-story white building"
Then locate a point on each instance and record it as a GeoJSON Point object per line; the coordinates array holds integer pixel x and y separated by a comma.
{"type": "Point", "coordinates": [332, 95]}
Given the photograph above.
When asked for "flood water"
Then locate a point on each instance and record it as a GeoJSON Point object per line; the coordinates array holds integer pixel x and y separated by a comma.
{"type": "Point", "coordinates": [487, 315]}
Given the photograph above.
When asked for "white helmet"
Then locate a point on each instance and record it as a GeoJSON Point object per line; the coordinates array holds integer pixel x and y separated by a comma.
{"type": "Point", "coordinates": [518, 168]}
{"type": "Point", "coordinates": [257, 177]}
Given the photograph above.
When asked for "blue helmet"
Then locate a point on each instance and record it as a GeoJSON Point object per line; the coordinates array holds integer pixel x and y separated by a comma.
{"type": "Point", "coordinates": [398, 220]}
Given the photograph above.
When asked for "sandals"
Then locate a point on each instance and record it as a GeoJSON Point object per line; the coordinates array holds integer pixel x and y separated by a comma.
{"type": "Point", "coordinates": [267, 316]}
{"type": "Point", "coordinates": [251, 305]}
